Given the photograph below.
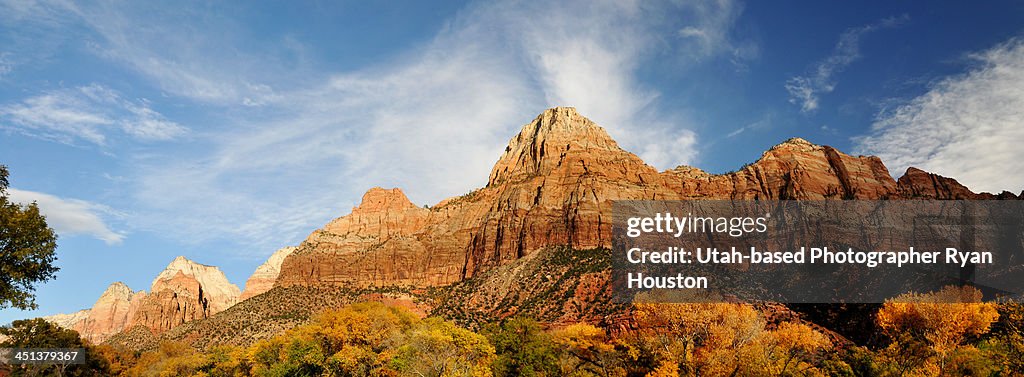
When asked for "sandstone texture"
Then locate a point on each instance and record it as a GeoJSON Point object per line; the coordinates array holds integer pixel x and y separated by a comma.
{"type": "Point", "coordinates": [529, 242]}
{"type": "Point", "coordinates": [70, 320]}
{"type": "Point", "coordinates": [554, 186]}
{"type": "Point", "coordinates": [184, 291]}
{"type": "Point", "coordinates": [265, 275]}
{"type": "Point", "coordinates": [109, 314]}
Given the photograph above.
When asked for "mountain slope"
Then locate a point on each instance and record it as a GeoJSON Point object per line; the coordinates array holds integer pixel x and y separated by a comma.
{"type": "Point", "coordinates": [529, 242]}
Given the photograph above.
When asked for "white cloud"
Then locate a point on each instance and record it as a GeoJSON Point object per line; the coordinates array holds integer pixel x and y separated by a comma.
{"type": "Point", "coordinates": [71, 216]}
{"type": "Point", "coordinates": [295, 146]}
{"type": "Point", "coordinates": [967, 126]}
{"type": "Point", "coordinates": [88, 113]}
{"type": "Point", "coordinates": [709, 27]}
{"type": "Point", "coordinates": [806, 90]}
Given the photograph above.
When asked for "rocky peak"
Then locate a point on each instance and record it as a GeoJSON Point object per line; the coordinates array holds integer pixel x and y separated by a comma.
{"type": "Point", "coordinates": [117, 290]}
{"type": "Point", "coordinates": [218, 290]}
{"type": "Point", "coordinates": [380, 199]}
{"type": "Point", "coordinates": [543, 144]}
{"type": "Point", "coordinates": [917, 183]}
{"type": "Point", "coordinates": [265, 275]}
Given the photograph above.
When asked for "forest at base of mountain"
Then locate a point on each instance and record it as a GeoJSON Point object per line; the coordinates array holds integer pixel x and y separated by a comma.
{"type": "Point", "coordinates": [918, 334]}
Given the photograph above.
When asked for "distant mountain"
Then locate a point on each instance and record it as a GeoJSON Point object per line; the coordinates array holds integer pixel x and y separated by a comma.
{"type": "Point", "coordinates": [182, 292]}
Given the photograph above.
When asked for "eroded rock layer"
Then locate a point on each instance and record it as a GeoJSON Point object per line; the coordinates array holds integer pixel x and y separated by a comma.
{"type": "Point", "coordinates": [553, 186]}
{"type": "Point", "coordinates": [182, 292]}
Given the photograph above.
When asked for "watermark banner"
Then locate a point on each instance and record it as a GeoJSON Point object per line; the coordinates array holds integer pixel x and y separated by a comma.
{"type": "Point", "coordinates": [853, 251]}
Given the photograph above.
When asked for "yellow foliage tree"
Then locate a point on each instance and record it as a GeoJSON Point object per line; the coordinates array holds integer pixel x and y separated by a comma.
{"type": "Point", "coordinates": [435, 347]}
{"type": "Point", "coordinates": [696, 336]}
{"type": "Point", "coordinates": [942, 320]}
{"type": "Point", "coordinates": [792, 349]}
{"type": "Point", "coordinates": [588, 351]}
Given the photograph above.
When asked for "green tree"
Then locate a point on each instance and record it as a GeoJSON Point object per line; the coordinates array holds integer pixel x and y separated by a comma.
{"type": "Point", "coordinates": [39, 333]}
{"type": "Point", "coordinates": [27, 248]}
{"type": "Point", "coordinates": [523, 349]}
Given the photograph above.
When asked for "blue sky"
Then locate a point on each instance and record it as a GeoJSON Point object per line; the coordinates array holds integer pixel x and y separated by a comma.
{"type": "Point", "coordinates": [223, 131]}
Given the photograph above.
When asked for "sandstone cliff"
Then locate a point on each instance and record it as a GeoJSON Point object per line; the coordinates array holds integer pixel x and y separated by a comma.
{"type": "Point", "coordinates": [182, 292]}
{"type": "Point", "coordinates": [70, 320]}
{"type": "Point", "coordinates": [534, 240]}
{"type": "Point", "coordinates": [553, 186]}
{"type": "Point", "coordinates": [263, 278]}
{"type": "Point", "coordinates": [108, 315]}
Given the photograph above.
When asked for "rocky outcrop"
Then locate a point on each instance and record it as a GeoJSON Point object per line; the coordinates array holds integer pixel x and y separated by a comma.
{"type": "Point", "coordinates": [109, 314]}
{"type": "Point", "coordinates": [795, 169]}
{"type": "Point", "coordinates": [263, 278]}
{"type": "Point", "coordinates": [553, 186]}
{"type": "Point", "coordinates": [919, 184]}
{"type": "Point", "coordinates": [182, 292]}
{"type": "Point", "coordinates": [70, 320]}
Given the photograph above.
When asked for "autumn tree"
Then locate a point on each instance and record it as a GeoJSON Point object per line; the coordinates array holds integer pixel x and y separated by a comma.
{"type": "Point", "coordinates": [791, 349]}
{"type": "Point", "coordinates": [1008, 338]}
{"type": "Point", "coordinates": [588, 351]}
{"type": "Point", "coordinates": [696, 337]}
{"type": "Point", "coordinates": [943, 321]}
{"type": "Point", "coordinates": [435, 347]}
{"type": "Point", "coordinates": [355, 340]}
{"type": "Point", "coordinates": [27, 247]}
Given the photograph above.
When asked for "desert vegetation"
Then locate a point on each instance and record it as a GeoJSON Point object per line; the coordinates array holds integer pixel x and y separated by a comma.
{"type": "Point", "coordinates": [948, 332]}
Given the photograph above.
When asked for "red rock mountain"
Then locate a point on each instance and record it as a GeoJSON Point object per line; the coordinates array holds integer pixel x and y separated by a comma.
{"type": "Point", "coordinates": [554, 185]}
{"type": "Point", "coordinates": [183, 292]}
{"type": "Point", "coordinates": [265, 275]}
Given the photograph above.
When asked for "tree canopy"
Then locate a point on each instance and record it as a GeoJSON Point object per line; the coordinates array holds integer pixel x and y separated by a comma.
{"type": "Point", "coordinates": [27, 250]}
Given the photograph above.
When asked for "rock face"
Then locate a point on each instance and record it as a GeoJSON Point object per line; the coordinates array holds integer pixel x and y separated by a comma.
{"type": "Point", "coordinates": [265, 275]}
{"type": "Point", "coordinates": [553, 186]}
{"type": "Point", "coordinates": [70, 320]}
{"type": "Point", "coordinates": [109, 314]}
{"type": "Point", "coordinates": [795, 169]}
{"type": "Point", "coordinates": [184, 291]}
{"type": "Point", "coordinates": [919, 184]}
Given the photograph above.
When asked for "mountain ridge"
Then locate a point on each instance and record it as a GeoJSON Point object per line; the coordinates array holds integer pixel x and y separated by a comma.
{"type": "Point", "coordinates": [552, 187]}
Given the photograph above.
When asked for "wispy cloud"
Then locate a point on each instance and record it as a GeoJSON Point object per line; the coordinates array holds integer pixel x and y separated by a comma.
{"type": "Point", "coordinates": [294, 145]}
{"type": "Point", "coordinates": [967, 126]}
{"type": "Point", "coordinates": [88, 113]}
{"type": "Point", "coordinates": [760, 124]}
{"type": "Point", "coordinates": [6, 66]}
{"type": "Point", "coordinates": [72, 216]}
{"type": "Point", "coordinates": [806, 90]}
{"type": "Point", "coordinates": [709, 28]}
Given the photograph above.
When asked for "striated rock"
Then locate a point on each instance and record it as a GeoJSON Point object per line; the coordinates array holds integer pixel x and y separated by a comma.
{"type": "Point", "coordinates": [265, 275]}
{"type": "Point", "coordinates": [70, 320]}
{"type": "Point", "coordinates": [109, 314]}
{"type": "Point", "coordinates": [919, 184]}
{"type": "Point", "coordinates": [218, 291]}
{"type": "Point", "coordinates": [553, 185]}
{"type": "Point", "coordinates": [795, 169]}
{"type": "Point", "coordinates": [183, 292]}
